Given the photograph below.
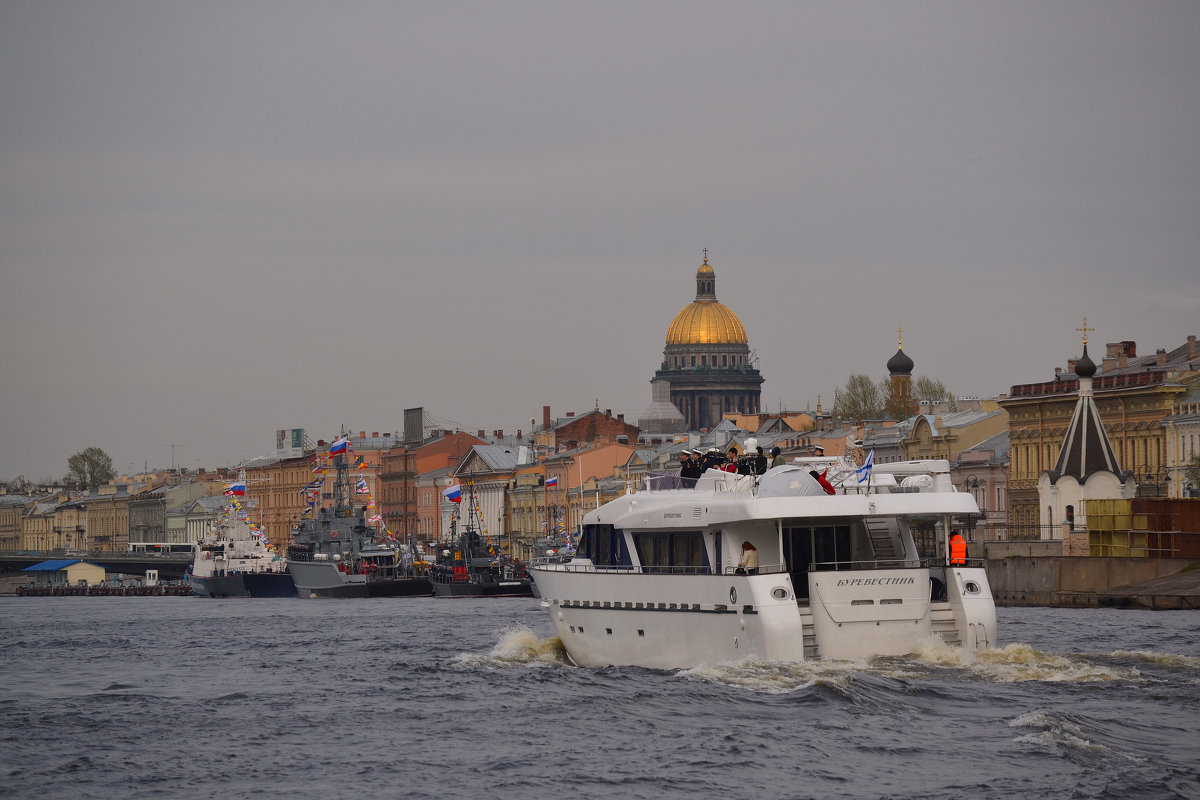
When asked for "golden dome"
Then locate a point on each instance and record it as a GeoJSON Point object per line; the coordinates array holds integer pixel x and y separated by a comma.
{"type": "Point", "coordinates": [706, 322]}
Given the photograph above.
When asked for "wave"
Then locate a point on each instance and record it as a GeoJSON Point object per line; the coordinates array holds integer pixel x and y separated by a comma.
{"type": "Point", "coordinates": [1164, 659]}
{"type": "Point", "coordinates": [776, 677]}
{"type": "Point", "coordinates": [519, 646]}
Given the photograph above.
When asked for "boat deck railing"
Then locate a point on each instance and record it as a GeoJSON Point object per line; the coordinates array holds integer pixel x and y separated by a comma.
{"type": "Point", "coordinates": [763, 569]}
{"type": "Point", "coordinates": [896, 477]}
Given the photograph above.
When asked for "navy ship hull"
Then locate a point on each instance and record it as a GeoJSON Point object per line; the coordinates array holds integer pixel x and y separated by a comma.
{"type": "Point", "coordinates": [218, 586]}
{"type": "Point", "coordinates": [514, 588]}
{"type": "Point", "coordinates": [269, 584]}
{"type": "Point", "coordinates": [323, 579]}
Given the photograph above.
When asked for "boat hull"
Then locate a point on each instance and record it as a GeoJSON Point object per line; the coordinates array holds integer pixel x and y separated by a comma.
{"type": "Point", "coordinates": [269, 584]}
{"type": "Point", "coordinates": [218, 586]}
{"type": "Point", "coordinates": [484, 589]}
{"type": "Point", "coordinates": [318, 579]}
{"type": "Point", "coordinates": [630, 618]}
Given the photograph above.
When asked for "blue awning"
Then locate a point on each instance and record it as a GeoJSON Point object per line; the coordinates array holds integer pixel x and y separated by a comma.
{"type": "Point", "coordinates": [55, 565]}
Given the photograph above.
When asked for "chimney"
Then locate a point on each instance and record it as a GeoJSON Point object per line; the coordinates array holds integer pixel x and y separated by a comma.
{"type": "Point", "coordinates": [1191, 351]}
{"type": "Point", "coordinates": [375, 435]}
{"type": "Point", "coordinates": [546, 417]}
{"type": "Point", "coordinates": [1160, 357]}
{"type": "Point", "coordinates": [570, 413]}
{"type": "Point", "coordinates": [362, 434]}
{"type": "Point", "coordinates": [479, 433]}
{"type": "Point", "coordinates": [608, 412]}
{"type": "Point", "coordinates": [620, 417]}
{"type": "Point", "coordinates": [518, 434]}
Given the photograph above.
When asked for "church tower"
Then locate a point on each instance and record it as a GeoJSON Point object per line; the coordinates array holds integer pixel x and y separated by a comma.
{"type": "Point", "coordinates": [900, 402]}
{"type": "Point", "coordinates": [1087, 467]}
{"type": "Point", "coordinates": [707, 363]}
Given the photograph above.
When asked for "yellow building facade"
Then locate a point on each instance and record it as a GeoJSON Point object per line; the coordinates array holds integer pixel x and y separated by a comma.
{"type": "Point", "coordinates": [1133, 396]}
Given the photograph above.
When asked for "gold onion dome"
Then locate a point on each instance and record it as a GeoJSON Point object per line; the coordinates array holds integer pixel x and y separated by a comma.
{"type": "Point", "coordinates": [704, 320]}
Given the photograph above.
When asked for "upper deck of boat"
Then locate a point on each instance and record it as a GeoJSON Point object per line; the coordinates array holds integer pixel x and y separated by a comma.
{"type": "Point", "coordinates": [896, 489]}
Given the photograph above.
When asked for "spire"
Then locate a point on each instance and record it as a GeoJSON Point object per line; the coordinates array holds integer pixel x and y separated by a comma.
{"type": "Point", "coordinates": [706, 280]}
{"type": "Point", "coordinates": [1085, 367]}
{"type": "Point", "coordinates": [900, 364]}
{"type": "Point", "coordinates": [1086, 448]}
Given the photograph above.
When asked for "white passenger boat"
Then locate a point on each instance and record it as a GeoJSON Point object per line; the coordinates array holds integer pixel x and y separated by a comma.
{"type": "Point", "coordinates": [655, 581]}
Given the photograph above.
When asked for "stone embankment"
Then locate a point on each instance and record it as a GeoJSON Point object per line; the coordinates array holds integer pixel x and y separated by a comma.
{"type": "Point", "coordinates": [1037, 574]}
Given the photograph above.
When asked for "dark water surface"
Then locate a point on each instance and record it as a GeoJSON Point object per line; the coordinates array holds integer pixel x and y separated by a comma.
{"type": "Point", "coordinates": [464, 698]}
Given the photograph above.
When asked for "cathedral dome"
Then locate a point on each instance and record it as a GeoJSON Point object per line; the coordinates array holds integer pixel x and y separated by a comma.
{"type": "Point", "coordinates": [704, 320]}
{"type": "Point", "coordinates": [900, 364]}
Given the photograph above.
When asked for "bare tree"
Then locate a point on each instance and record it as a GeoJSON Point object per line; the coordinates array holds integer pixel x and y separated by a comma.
{"type": "Point", "coordinates": [929, 390]}
{"type": "Point", "coordinates": [90, 467]}
{"type": "Point", "coordinates": [859, 399]}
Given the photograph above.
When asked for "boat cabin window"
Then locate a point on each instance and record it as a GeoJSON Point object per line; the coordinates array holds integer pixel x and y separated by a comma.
{"type": "Point", "coordinates": [671, 552]}
{"type": "Point", "coordinates": [604, 545]}
{"type": "Point", "coordinates": [815, 547]}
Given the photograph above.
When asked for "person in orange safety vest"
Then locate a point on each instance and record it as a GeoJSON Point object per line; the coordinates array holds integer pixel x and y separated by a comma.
{"type": "Point", "coordinates": [958, 550]}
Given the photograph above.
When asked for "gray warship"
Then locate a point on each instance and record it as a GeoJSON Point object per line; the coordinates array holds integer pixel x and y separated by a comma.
{"type": "Point", "coordinates": [335, 552]}
{"type": "Point", "coordinates": [468, 567]}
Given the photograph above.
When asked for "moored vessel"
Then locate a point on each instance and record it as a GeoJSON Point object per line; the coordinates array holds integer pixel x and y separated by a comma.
{"type": "Point", "coordinates": [338, 552]}
{"type": "Point", "coordinates": [236, 560]}
{"type": "Point", "coordinates": [820, 558]}
{"type": "Point", "coordinates": [469, 566]}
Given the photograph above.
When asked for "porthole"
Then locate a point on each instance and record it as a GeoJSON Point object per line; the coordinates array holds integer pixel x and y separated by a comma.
{"type": "Point", "coordinates": [971, 587]}
{"type": "Point", "coordinates": [779, 593]}
{"type": "Point", "coordinates": [732, 596]}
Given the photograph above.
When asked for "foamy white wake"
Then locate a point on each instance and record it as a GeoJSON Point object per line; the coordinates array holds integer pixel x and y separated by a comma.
{"type": "Point", "coordinates": [519, 646]}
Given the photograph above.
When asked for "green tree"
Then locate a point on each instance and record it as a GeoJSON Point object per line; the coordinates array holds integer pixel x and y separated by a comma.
{"type": "Point", "coordinates": [859, 399]}
{"type": "Point", "coordinates": [90, 467]}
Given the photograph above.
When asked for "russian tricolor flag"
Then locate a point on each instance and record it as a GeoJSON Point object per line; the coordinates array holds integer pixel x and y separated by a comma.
{"type": "Point", "coordinates": [339, 446]}
{"type": "Point", "coordinates": [552, 481]}
{"type": "Point", "coordinates": [454, 493]}
{"type": "Point", "coordinates": [236, 489]}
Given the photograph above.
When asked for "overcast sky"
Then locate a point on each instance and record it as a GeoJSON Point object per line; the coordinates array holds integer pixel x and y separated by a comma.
{"type": "Point", "coordinates": [220, 219]}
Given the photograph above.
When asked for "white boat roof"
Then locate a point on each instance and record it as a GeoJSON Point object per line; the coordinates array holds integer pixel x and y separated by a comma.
{"type": "Point", "coordinates": [725, 497]}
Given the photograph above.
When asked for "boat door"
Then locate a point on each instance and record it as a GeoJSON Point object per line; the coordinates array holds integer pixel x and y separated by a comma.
{"type": "Point", "coordinates": [797, 556]}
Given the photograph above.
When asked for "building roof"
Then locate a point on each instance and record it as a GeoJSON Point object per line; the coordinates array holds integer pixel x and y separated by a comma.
{"type": "Point", "coordinates": [56, 564]}
{"type": "Point", "coordinates": [1086, 449]}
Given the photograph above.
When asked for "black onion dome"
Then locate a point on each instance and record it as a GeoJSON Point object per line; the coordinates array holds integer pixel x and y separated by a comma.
{"type": "Point", "coordinates": [1085, 367]}
{"type": "Point", "coordinates": [900, 364]}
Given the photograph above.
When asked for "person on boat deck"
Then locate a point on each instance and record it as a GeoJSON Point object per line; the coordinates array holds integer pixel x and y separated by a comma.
{"type": "Point", "coordinates": [958, 550]}
{"type": "Point", "coordinates": [691, 468]}
{"type": "Point", "coordinates": [749, 563]}
{"type": "Point", "coordinates": [760, 462]}
{"type": "Point", "coordinates": [777, 459]}
{"type": "Point", "coordinates": [732, 464]}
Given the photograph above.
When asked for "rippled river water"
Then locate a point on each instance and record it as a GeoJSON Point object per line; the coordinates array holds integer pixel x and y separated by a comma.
{"type": "Point", "coordinates": [438, 698]}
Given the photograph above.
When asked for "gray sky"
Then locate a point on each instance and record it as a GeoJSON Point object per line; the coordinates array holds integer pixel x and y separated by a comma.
{"type": "Point", "coordinates": [219, 219]}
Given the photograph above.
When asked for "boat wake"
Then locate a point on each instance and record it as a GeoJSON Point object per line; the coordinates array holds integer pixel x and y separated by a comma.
{"type": "Point", "coordinates": [517, 647]}
{"type": "Point", "coordinates": [776, 677]}
{"type": "Point", "coordinates": [1015, 663]}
